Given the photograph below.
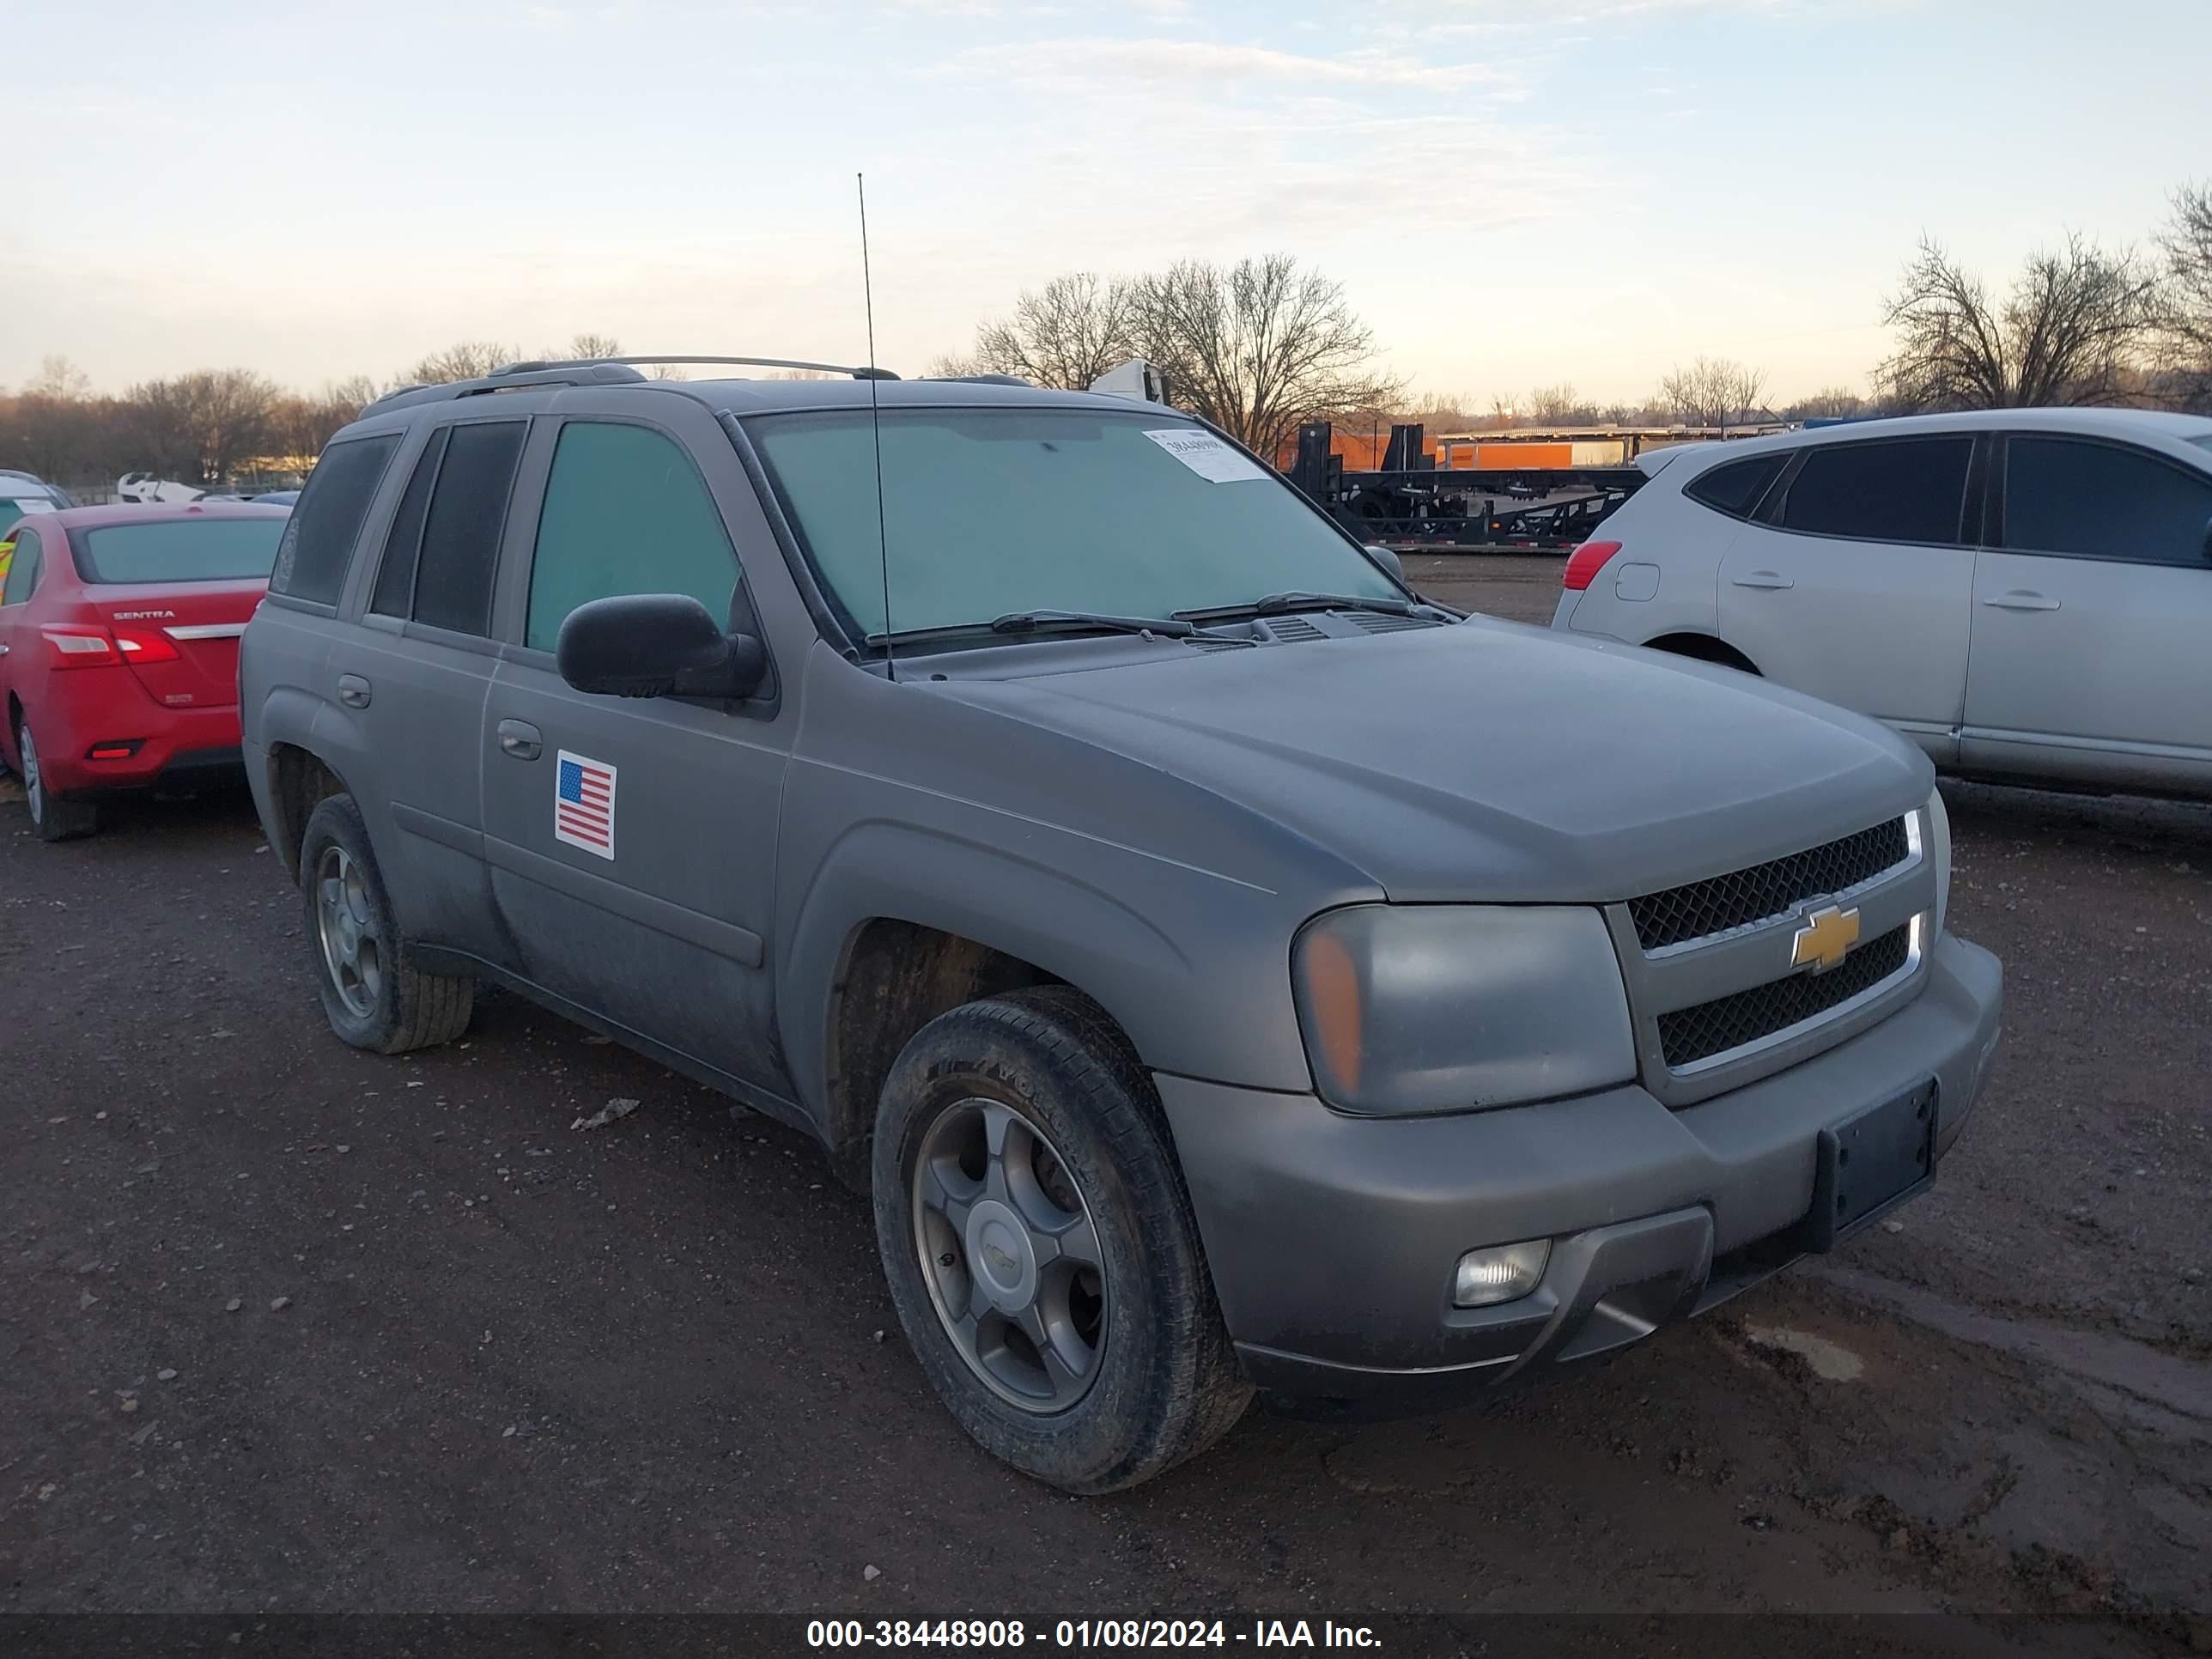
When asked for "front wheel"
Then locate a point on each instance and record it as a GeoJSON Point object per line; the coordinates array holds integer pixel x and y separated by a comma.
{"type": "Point", "coordinates": [1040, 1247]}
{"type": "Point", "coordinates": [51, 817]}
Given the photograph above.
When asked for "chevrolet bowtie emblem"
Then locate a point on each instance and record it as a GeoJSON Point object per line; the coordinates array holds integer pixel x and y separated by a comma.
{"type": "Point", "coordinates": [1826, 939]}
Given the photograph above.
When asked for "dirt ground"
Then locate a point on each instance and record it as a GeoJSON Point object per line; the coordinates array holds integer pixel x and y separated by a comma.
{"type": "Point", "coordinates": [287, 1327]}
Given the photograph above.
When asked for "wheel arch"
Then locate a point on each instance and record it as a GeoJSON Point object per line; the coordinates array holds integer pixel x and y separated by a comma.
{"type": "Point", "coordinates": [299, 780]}
{"type": "Point", "coordinates": [899, 927]}
{"type": "Point", "coordinates": [1702, 648]}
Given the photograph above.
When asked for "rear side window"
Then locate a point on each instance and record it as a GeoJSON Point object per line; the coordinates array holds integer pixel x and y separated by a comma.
{"type": "Point", "coordinates": [1735, 488]}
{"type": "Point", "coordinates": [2099, 501]}
{"type": "Point", "coordinates": [625, 513]}
{"type": "Point", "coordinates": [395, 574]}
{"type": "Point", "coordinates": [318, 538]}
{"type": "Point", "coordinates": [1909, 489]}
{"type": "Point", "coordinates": [20, 580]}
{"type": "Point", "coordinates": [460, 529]}
{"type": "Point", "coordinates": [179, 550]}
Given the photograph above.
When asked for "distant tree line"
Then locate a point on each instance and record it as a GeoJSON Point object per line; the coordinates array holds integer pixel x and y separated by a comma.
{"type": "Point", "coordinates": [1262, 344]}
{"type": "Point", "coordinates": [211, 426]}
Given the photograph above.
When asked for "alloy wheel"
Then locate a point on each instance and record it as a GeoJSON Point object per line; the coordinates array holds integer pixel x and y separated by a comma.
{"type": "Point", "coordinates": [1011, 1256]}
{"type": "Point", "coordinates": [353, 948]}
{"type": "Point", "coordinates": [34, 792]}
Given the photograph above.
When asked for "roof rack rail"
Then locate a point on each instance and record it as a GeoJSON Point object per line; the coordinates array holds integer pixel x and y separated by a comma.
{"type": "Point", "coordinates": [862, 372]}
{"type": "Point", "coordinates": [514, 378]}
{"type": "Point", "coordinates": [584, 371]}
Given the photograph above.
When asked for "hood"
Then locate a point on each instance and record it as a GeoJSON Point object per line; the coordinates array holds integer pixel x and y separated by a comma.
{"type": "Point", "coordinates": [1491, 761]}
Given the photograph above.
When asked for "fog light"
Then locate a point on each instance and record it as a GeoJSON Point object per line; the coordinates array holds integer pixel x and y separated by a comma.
{"type": "Point", "coordinates": [1502, 1272]}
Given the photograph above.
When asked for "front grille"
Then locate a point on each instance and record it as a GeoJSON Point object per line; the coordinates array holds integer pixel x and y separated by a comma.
{"type": "Point", "coordinates": [1765, 891]}
{"type": "Point", "coordinates": [1690, 1035]}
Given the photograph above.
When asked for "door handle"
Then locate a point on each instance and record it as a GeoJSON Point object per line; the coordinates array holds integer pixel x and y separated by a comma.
{"type": "Point", "coordinates": [520, 739]}
{"type": "Point", "coordinates": [353, 691]}
{"type": "Point", "coordinates": [1764, 578]}
{"type": "Point", "coordinates": [2020, 598]}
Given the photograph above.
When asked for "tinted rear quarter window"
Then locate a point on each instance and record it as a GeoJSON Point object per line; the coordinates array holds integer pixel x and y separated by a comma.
{"type": "Point", "coordinates": [460, 531]}
{"type": "Point", "coordinates": [318, 538]}
{"type": "Point", "coordinates": [2101, 502]}
{"type": "Point", "coordinates": [395, 575]}
{"type": "Point", "coordinates": [178, 550]}
{"type": "Point", "coordinates": [1735, 487]}
{"type": "Point", "coordinates": [1906, 489]}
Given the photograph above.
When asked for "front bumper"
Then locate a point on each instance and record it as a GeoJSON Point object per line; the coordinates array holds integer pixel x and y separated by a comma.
{"type": "Point", "coordinates": [1332, 1239]}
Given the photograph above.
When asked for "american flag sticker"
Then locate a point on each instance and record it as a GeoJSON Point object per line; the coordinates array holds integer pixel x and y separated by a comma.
{"type": "Point", "coordinates": [584, 804]}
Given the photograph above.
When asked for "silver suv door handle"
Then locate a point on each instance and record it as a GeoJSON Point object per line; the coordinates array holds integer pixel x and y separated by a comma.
{"type": "Point", "coordinates": [2020, 598]}
{"type": "Point", "coordinates": [353, 691]}
{"type": "Point", "coordinates": [520, 739]}
{"type": "Point", "coordinates": [1763, 579]}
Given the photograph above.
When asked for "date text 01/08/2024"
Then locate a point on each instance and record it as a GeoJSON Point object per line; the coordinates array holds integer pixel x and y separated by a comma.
{"type": "Point", "coordinates": [1086, 1634]}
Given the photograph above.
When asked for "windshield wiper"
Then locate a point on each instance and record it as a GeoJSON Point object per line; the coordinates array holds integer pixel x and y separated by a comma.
{"type": "Point", "coordinates": [1170, 628]}
{"type": "Point", "coordinates": [1298, 600]}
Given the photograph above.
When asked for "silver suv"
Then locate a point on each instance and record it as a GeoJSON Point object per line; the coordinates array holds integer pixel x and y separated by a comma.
{"type": "Point", "coordinates": [2024, 593]}
{"type": "Point", "coordinates": [1224, 970]}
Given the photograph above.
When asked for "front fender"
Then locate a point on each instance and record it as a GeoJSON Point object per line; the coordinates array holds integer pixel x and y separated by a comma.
{"type": "Point", "coordinates": [1205, 992]}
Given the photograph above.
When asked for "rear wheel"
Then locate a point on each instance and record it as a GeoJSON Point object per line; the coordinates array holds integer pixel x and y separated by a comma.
{"type": "Point", "coordinates": [1040, 1246]}
{"type": "Point", "coordinates": [372, 995]}
{"type": "Point", "coordinates": [52, 816]}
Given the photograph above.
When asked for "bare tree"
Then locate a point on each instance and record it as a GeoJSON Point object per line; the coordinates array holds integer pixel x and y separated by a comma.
{"type": "Point", "coordinates": [301, 425]}
{"type": "Point", "coordinates": [466, 360]}
{"type": "Point", "coordinates": [2184, 244]}
{"type": "Point", "coordinates": [1556, 405]}
{"type": "Point", "coordinates": [1064, 335]}
{"type": "Point", "coordinates": [1259, 346]}
{"type": "Point", "coordinates": [2077, 320]}
{"type": "Point", "coordinates": [59, 379]}
{"type": "Point", "coordinates": [1830, 401]}
{"type": "Point", "coordinates": [588, 345]}
{"type": "Point", "coordinates": [200, 425]}
{"type": "Point", "coordinates": [1714, 391]}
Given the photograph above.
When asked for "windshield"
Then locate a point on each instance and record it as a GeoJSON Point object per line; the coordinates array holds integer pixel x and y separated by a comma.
{"type": "Point", "coordinates": [179, 550]}
{"type": "Point", "coordinates": [13, 507]}
{"type": "Point", "coordinates": [988, 511]}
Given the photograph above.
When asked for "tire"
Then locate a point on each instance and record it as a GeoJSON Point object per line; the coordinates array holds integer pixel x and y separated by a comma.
{"type": "Point", "coordinates": [54, 818]}
{"type": "Point", "coordinates": [1158, 1380]}
{"type": "Point", "coordinates": [372, 995]}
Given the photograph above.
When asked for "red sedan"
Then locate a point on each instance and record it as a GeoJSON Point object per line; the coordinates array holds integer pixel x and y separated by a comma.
{"type": "Point", "coordinates": [119, 648]}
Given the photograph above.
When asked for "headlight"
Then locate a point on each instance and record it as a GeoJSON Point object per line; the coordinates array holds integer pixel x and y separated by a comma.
{"type": "Point", "coordinates": [1453, 1007]}
{"type": "Point", "coordinates": [1938, 849]}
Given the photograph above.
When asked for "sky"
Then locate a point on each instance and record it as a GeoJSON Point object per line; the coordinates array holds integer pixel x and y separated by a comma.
{"type": "Point", "coordinates": [1514, 192]}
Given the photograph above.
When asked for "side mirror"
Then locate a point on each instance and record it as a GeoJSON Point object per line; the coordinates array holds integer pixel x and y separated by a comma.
{"type": "Point", "coordinates": [1388, 558]}
{"type": "Point", "coordinates": [2208, 541]}
{"type": "Point", "coordinates": [653, 645]}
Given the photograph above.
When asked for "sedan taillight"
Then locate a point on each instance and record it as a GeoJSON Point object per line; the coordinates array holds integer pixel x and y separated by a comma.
{"type": "Point", "coordinates": [74, 646]}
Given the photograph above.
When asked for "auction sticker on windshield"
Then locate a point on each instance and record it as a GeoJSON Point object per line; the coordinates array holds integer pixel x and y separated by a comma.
{"type": "Point", "coordinates": [1205, 455]}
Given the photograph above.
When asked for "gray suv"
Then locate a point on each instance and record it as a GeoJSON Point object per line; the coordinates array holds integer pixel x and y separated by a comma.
{"type": "Point", "coordinates": [1224, 971]}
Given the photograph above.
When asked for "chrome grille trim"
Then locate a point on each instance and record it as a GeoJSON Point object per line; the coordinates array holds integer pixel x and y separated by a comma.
{"type": "Point", "coordinates": [1915, 932]}
{"type": "Point", "coordinates": [1717, 966]}
{"type": "Point", "coordinates": [1773, 889]}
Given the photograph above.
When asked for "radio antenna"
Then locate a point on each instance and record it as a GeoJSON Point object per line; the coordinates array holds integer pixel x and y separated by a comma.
{"type": "Point", "coordinates": [875, 426]}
